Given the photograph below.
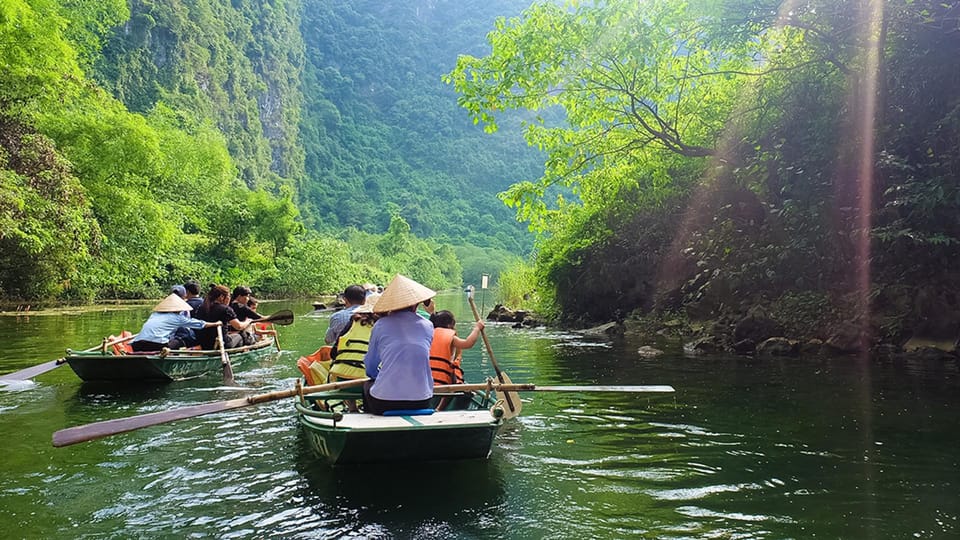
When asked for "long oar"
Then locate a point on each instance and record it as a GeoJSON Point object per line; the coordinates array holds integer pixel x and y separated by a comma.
{"type": "Point", "coordinates": [40, 369]}
{"type": "Point", "coordinates": [645, 389]}
{"type": "Point", "coordinates": [98, 430]}
{"type": "Point", "coordinates": [225, 359]}
{"type": "Point", "coordinates": [512, 399]}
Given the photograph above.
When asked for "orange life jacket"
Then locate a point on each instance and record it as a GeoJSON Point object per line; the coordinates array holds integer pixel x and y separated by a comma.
{"type": "Point", "coordinates": [445, 369]}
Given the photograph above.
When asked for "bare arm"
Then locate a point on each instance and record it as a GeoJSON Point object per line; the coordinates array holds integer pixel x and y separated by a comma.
{"type": "Point", "coordinates": [471, 339]}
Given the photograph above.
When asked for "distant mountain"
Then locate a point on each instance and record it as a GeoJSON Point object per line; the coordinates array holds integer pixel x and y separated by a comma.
{"type": "Point", "coordinates": [382, 132]}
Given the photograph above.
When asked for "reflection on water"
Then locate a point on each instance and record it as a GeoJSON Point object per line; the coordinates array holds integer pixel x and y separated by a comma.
{"type": "Point", "coordinates": [746, 448]}
{"type": "Point", "coordinates": [438, 499]}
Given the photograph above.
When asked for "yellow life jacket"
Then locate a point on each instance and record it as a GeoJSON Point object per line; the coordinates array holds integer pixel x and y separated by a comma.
{"type": "Point", "coordinates": [351, 348]}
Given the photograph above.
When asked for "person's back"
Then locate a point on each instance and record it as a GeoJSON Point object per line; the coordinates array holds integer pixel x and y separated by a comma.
{"type": "Point", "coordinates": [215, 309]}
{"type": "Point", "coordinates": [161, 328]}
{"type": "Point", "coordinates": [353, 296]}
{"type": "Point", "coordinates": [351, 347]}
{"type": "Point", "coordinates": [193, 294]}
{"type": "Point", "coordinates": [442, 352]}
{"type": "Point", "coordinates": [399, 342]}
{"type": "Point", "coordinates": [446, 348]}
{"type": "Point", "coordinates": [398, 359]}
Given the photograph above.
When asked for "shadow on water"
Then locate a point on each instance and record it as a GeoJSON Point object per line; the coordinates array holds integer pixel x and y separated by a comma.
{"type": "Point", "coordinates": [429, 499]}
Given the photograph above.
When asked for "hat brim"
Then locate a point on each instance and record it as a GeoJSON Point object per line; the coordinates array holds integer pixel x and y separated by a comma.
{"type": "Point", "coordinates": [402, 293]}
{"type": "Point", "coordinates": [172, 304]}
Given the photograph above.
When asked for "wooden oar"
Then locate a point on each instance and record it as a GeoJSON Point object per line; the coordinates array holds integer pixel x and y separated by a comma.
{"type": "Point", "coordinates": [98, 430]}
{"type": "Point", "coordinates": [512, 399]}
{"type": "Point", "coordinates": [224, 359]}
{"type": "Point", "coordinates": [283, 317]}
{"type": "Point", "coordinates": [497, 387]}
{"type": "Point", "coordinates": [40, 369]}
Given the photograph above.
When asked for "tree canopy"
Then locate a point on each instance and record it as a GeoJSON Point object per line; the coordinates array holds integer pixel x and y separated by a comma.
{"type": "Point", "coordinates": [722, 154]}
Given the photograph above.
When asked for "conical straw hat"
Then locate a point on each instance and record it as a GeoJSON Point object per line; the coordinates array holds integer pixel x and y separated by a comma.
{"type": "Point", "coordinates": [173, 304]}
{"type": "Point", "coordinates": [402, 292]}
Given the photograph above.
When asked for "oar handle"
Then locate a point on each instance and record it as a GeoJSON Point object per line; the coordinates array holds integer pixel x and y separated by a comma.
{"type": "Point", "coordinates": [483, 334]}
{"type": "Point", "coordinates": [496, 367]}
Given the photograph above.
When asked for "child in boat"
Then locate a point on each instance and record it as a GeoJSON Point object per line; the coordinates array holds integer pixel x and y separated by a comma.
{"type": "Point", "coordinates": [446, 352]}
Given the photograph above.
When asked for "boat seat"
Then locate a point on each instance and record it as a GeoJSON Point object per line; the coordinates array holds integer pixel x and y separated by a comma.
{"type": "Point", "coordinates": [408, 412]}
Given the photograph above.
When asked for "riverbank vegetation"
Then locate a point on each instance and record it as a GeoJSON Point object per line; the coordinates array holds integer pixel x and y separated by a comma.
{"type": "Point", "coordinates": [785, 167]}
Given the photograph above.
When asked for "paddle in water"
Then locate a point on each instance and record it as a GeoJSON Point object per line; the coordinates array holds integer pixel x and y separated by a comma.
{"type": "Point", "coordinates": [40, 369]}
{"type": "Point", "coordinates": [224, 359]}
{"type": "Point", "coordinates": [97, 430]}
{"type": "Point", "coordinates": [512, 399]}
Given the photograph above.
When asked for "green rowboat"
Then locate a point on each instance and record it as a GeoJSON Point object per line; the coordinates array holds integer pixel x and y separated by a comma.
{"type": "Point", "coordinates": [171, 365]}
{"type": "Point", "coordinates": [464, 432]}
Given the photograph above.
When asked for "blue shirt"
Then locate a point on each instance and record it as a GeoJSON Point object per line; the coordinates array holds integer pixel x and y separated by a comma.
{"type": "Point", "coordinates": [399, 357]}
{"type": "Point", "coordinates": [160, 327]}
{"type": "Point", "coordinates": [338, 321]}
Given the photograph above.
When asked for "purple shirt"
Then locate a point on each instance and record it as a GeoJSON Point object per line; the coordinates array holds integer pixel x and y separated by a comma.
{"type": "Point", "coordinates": [399, 357]}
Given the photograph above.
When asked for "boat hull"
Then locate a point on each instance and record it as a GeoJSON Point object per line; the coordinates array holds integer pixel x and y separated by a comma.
{"type": "Point", "coordinates": [97, 366]}
{"type": "Point", "coordinates": [367, 438]}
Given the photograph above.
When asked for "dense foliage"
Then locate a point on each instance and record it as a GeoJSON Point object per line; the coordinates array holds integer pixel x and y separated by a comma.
{"type": "Point", "coordinates": [732, 155]}
{"type": "Point", "coordinates": [148, 142]}
{"type": "Point", "coordinates": [381, 127]}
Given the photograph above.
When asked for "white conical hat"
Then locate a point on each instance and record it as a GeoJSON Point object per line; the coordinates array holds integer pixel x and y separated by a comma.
{"type": "Point", "coordinates": [174, 304]}
{"type": "Point", "coordinates": [402, 292]}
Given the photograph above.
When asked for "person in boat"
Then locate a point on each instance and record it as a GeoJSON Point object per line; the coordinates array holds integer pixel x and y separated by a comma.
{"type": "Point", "coordinates": [446, 351]}
{"type": "Point", "coordinates": [398, 357]}
{"type": "Point", "coordinates": [190, 292]}
{"type": "Point", "coordinates": [160, 330]}
{"type": "Point", "coordinates": [353, 297]}
{"type": "Point", "coordinates": [427, 309]}
{"type": "Point", "coordinates": [179, 290]}
{"type": "Point", "coordinates": [193, 294]}
{"type": "Point", "coordinates": [351, 347]}
{"type": "Point", "coordinates": [216, 308]}
{"type": "Point", "coordinates": [238, 302]}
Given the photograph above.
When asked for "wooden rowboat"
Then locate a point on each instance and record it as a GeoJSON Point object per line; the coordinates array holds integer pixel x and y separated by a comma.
{"type": "Point", "coordinates": [163, 366]}
{"type": "Point", "coordinates": [464, 432]}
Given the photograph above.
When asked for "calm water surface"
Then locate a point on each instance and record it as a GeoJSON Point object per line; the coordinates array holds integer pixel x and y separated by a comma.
{"type": "Point", "coordinates": [799, 448]}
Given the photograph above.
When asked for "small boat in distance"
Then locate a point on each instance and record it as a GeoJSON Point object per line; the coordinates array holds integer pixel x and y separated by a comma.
{"type": "Point", "coordinates": [120, 364]}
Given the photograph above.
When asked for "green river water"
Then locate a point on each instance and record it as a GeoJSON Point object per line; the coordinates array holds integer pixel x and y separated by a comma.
{"type": "Point", "coordinates": [745, 448]}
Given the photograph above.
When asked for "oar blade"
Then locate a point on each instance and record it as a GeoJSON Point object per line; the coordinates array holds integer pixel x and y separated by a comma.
{"type": "Point", "coordinates": [283, 318]}
{"type": "Point", "coordinates": [32, 372]}
{"type": "Point", "coordinates": [225, 360]}
{"type": "Point", "coordinates": [512, 403]}
{"type": "Point", "coordinates": [98, 430]}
